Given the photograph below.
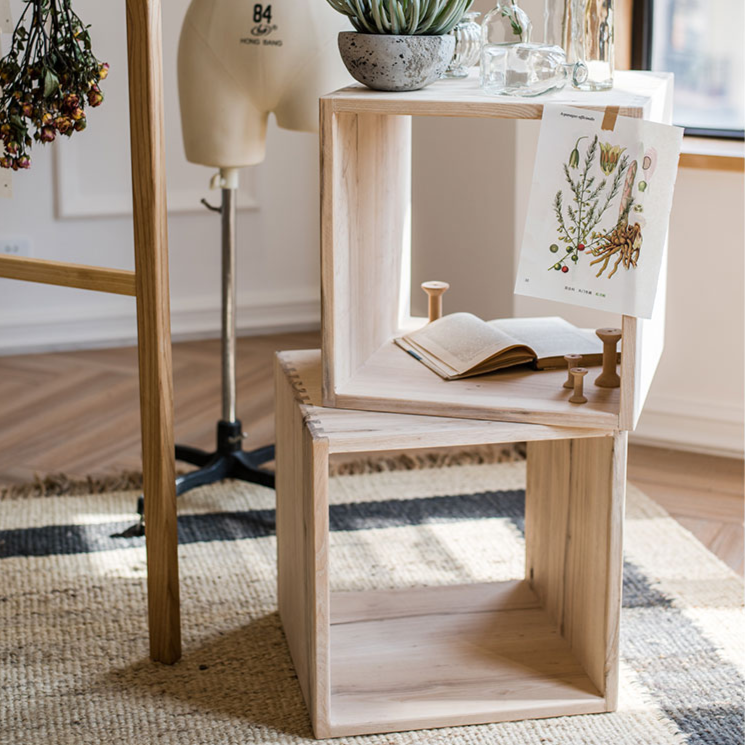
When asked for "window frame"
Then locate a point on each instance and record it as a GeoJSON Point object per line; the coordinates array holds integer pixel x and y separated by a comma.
{"type": "Point", "coordinates": [641, 57]}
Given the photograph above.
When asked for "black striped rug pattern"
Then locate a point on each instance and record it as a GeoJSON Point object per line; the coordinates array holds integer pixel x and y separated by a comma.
{"type": "Point", "coordinates": [700, 692]}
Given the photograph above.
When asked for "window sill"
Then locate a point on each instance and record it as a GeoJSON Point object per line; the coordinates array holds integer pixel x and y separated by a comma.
{"type": "Point", "coordinates": [713, 154]}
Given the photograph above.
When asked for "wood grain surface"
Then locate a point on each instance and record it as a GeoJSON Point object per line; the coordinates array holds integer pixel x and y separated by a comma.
{"type": "Point", "coordinates": [431, 656]}
{"type": "Point", "coordinates": [150, 213]}
{"type": "Point", "coordinates": [116, 281]}
{"type": "Point", "coordinates": [365, 235]}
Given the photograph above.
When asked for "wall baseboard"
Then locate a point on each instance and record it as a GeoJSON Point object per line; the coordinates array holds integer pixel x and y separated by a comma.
{"type": "Point", "coordinates": [70, 329]}
{"type": "Point", "coordinates": [697, 426]}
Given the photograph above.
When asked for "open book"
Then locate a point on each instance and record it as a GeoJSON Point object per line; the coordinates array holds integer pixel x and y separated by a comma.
{"type": "Point", "coordinates": [461, 345]}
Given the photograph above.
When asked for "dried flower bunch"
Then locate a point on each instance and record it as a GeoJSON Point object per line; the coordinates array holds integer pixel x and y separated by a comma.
{"type": "Point", "coordinates": [47, 79]}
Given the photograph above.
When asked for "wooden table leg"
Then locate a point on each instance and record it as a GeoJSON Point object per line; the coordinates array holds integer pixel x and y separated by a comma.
{"type": "Point", "coordinates": [153, 325]}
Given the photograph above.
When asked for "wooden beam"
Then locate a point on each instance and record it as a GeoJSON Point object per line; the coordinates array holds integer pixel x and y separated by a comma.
{"type": "Point", "coordinates": [712, 154]}
{"type": "Point", "coordinates": [712, 162]}
{"type": "Point", "coordinates": [117, 281]}
{"type": "Point", "coordinates": [153, 324]}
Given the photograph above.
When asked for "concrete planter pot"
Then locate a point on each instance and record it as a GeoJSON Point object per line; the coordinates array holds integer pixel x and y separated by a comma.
{"type": "Point", "coordinates": [386, 62]}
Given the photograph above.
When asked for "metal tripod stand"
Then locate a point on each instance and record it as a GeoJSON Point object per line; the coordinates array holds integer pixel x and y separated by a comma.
{"type": "Point", "coordinates": [229, 460]}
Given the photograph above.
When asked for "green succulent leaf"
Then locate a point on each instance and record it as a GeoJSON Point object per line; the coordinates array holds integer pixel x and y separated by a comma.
{"type": "Point", "coordinates": [406, 17]}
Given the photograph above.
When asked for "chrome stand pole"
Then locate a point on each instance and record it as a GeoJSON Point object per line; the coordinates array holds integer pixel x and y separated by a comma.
{"type": "Point", "coordinates": [229, 460]}
{"type": "Point", "coordinates": [228, 305]}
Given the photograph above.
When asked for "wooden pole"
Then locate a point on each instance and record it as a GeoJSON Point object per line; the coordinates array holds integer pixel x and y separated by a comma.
{"type": "Point", "coordinates": [153, 325]}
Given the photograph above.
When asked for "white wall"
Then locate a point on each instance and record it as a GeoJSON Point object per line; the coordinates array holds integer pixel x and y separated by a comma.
{"type": "Point", "coordinates": [467, 220]}
{"type": "Point", "coordinates": [75, 206]}
{"type": "Point", "coordinates": [463, 213]}
{"type": "Point", "coordinates": [696, 400]}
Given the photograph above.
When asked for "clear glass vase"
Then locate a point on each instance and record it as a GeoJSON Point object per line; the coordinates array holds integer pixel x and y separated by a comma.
{"type": "Point", "coordinates": [584, 30]}
{"type": "Point", "coordinates": [506, 24]}
{"type": "Point", "coordinates": [467, 46]}
{"type": "Point", "coordinates": [527, 69]}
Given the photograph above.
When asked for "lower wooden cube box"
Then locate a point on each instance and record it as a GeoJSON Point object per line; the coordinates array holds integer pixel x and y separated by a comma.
{"type": "Point", "coordinates": [392, 660]}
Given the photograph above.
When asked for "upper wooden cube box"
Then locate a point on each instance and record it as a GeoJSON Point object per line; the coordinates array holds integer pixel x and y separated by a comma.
{"type": "Point", "coordinates": [365, 238]}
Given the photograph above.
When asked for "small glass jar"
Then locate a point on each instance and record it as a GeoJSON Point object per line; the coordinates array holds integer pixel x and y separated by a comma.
{"type": "Point", "coordinates": [467, 46]}
{"type": "Point", "coordinates": [506, 24]}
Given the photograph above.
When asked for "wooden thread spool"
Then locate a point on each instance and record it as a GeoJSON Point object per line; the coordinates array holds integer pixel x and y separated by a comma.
{"type": "Point", "coordinates": [435, 291]}
{"type": "Point", "coordinates": [573, 360]}
{"type": "Point", "coordinates": [578, 397]}
{"type": "Point", "coordinates": [609, 378]}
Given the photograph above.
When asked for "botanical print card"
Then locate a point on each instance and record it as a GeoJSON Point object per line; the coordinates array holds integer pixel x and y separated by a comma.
{"type": "Point", "coordinates": [599, 210]}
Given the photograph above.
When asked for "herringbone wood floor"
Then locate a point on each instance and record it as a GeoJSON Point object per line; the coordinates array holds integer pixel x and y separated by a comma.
{"type": "Point", "coordinates": [78, 413]}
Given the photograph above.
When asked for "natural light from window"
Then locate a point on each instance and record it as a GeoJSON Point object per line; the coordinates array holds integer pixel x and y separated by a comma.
{"type": "Point", "coordinates": [701, 42]}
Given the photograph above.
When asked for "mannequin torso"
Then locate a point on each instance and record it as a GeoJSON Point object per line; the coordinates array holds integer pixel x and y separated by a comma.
{"type": "Point", "coordinates": [238, 61]}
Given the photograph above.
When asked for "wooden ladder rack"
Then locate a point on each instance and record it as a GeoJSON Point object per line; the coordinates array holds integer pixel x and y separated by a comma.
{"type": "Point", "coordinates": [148, 283]}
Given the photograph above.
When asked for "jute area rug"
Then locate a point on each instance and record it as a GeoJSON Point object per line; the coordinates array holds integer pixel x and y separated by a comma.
{"type": "Point", "coordinates": [73, 646]}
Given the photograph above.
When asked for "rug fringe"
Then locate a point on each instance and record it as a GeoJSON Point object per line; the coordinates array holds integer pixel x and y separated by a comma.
{"type": "Point", "coordinates": [62, 485]}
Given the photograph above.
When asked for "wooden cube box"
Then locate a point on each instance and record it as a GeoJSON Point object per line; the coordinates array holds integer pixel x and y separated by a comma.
{"type": "Point", "coordinates": [391, 660]}
{"type": "Point", "coordinates": [366, 199]}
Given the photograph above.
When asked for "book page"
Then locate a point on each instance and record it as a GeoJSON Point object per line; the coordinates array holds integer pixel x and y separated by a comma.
{"type": "Point", "coordinates": [461, 340]}
{"type": "Point", "coordinates": [550, 337]}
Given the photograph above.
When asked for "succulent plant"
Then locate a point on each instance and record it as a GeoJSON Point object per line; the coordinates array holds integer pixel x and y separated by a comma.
{"type": "Point", "coordinates": [405, 17]}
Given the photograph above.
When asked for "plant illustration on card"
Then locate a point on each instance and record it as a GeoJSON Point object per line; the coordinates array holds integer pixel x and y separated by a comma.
{"type": "Point", "coordinates": [588, 199]}
{"type": "Point", "coordinates": [599, 206]}
{"type": "Point", "coordinates": [625, 241]}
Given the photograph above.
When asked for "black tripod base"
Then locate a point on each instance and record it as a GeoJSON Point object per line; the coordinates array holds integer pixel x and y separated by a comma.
{"type": "Point", "coordinates": [229, 461]}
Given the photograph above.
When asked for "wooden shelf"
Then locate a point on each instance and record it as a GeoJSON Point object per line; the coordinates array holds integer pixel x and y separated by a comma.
{"type": "Point", "coordinates": [633, 92]}
{"type": "Point", "coordinates": [365, 250]}
{"type": "Point", "coordinates": [440, 656]}
{"type": "Point", "coordinates": [392, 380]}
{"type": "Point", "coordinates": [390, 660]}
{"type": "Point", "coordinates": [348, 431]}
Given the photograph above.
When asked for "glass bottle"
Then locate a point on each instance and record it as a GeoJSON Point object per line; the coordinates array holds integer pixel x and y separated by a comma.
{"type": "Point", "coordinates": [527, 69]}
{"type": "Point", "coordinates": [557, 23]}
{"type": "Point", "coordinates": [506, 24]}
{"type": "Point", "coordinates": [584, 30]}
{"type": "Point", "coordinates": [467, 46]}
{"type": "Point", "coordinates": [592, 37]}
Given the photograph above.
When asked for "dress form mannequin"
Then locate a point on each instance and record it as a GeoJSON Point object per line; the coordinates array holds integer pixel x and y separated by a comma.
{"type": "Point", "coordinates": [238, 62]}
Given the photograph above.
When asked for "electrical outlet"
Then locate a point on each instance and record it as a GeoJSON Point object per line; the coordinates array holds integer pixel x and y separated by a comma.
{"type": "Point", "coordinates": [17, 246]}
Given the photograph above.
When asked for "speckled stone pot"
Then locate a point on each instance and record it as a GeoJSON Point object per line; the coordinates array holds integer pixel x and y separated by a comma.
{"type": "Point", "coordinates": [395, 63]}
